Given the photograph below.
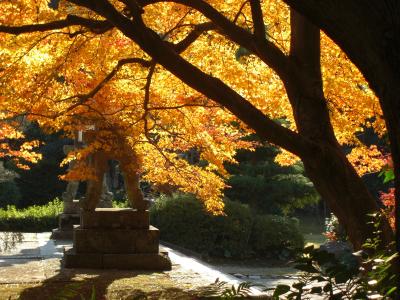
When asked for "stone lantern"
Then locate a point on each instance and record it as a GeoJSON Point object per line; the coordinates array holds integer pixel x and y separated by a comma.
{"type": "Point", "coordinates": [71, 206]}
{"type": "Point", "coordinates": [115, 238]}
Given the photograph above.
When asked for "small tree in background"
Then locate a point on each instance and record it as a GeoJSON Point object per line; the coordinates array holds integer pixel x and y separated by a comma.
{"type": "Point", "coordinates": [267, 186]}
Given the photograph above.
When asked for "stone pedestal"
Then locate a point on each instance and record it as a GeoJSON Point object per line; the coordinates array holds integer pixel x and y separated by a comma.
{"type": "Point", "coordinates": [114, 238]}
{"type": "Point", "coordinates": [67, 220]}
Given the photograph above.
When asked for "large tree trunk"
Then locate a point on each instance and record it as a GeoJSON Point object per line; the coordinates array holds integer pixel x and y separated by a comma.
{"type": "Point", "coordinates": [345, 193]}
{"type": "Point", "coordinates": [369, 33]}
{"type": "Point", "coordinates": [328, 168]}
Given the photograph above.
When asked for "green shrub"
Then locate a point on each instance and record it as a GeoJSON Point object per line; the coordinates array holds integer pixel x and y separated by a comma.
{"type": "Point", "coordinates": [183, 221]}
{"type": "Point", "coordinates": [121, 203]}
{"type": "Point", "coordinates": [369, 273]}
{"type": "Point", "coordinates": [31, 219]}
{"type": "Point", "coordinates": [273, 234]}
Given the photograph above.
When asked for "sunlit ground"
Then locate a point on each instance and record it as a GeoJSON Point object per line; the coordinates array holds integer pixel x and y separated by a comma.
{"type": "Point", "coordinates": [30, 269]}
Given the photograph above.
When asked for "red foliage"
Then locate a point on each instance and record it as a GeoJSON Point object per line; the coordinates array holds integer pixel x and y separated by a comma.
{"type": "Point", "coordinates": [331, 235]}
{"type": "Point", "coordinates": [388, 200]}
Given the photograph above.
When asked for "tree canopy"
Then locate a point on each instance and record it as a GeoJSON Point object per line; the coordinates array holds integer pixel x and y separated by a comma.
{"type": "Point", "coordinates": [79, 57]}
{"type": "Point", "coordinates": [173, 75]}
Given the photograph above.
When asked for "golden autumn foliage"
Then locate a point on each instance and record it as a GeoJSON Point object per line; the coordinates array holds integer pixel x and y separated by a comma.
{"type": "Point", "coordinates": [22, 153]}
{"type": "Point", "coordinates": [72, 78]}
{"type": "Point", "coordinates": [367, 159]}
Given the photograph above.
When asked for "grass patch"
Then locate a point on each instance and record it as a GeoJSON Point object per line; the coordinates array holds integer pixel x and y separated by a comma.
{"type": "Point", "coordinates": [32, 219]}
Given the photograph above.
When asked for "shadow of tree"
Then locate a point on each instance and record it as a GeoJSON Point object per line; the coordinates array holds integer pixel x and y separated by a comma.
{"type": "Point", "coordinates": [72, 284]}
{"type": "Point", "coordinates": [79, 284]}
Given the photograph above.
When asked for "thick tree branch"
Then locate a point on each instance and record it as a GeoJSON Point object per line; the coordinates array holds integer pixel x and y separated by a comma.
{"type": "Point", "coordinates": [258, 20]}
{"type": "Point", "coordinates": [209, 86]}
{"type": "Point", "coordinates": [265, 50]}
{"type": "Point", "coordinates": [71, 20]}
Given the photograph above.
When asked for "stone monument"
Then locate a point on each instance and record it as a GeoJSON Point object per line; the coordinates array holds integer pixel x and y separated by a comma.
{"type": "Point", "coordinates": [115, 238]}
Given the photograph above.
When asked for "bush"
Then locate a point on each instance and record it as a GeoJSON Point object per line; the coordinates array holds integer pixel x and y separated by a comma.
{"type": "Point", "coordinates": [369, 273]}
{"type": "Point", "coordinates": [31, 219]}
{"type": "Point", "coordinates": [276, 235]}
{"type": "Point", "coordinates": [183, 221]}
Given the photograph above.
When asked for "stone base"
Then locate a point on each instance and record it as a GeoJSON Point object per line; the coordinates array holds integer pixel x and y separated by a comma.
{"type": "Point", "coordinates": [114, 218]}
{"type": "Point", "coordinates": [115, 238]}
{"type": "Point", "coordinates": [65, 228]}
{"type": "Point", "coordinates": [105, 204]}
{"type": "Point", "coordinates": [138, 261]}
{"type": "Point", "coordinates": [120, 241]}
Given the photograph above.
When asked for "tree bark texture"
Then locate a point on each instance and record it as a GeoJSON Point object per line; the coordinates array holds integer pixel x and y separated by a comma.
{"type": "Point", "coordinates": [332, 174]}
{"type": "Point", "coordinates": [369, 33]}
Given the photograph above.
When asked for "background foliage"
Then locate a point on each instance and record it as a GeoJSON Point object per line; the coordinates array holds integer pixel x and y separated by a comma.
{"type": "Point", "coordinates": [40, 183]}
{"type": "Point", "coordinates": [9, 193]}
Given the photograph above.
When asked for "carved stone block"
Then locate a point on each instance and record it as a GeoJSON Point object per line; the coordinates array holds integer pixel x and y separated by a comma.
{"type": "Point", "coordinates": [114, 218]}
{"type": "Point", "coordinates": [66, 223]}
{"type": "Point", "coordinates": [116, 240]}
{"type": "Point", "coordinates": [86, 260]}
